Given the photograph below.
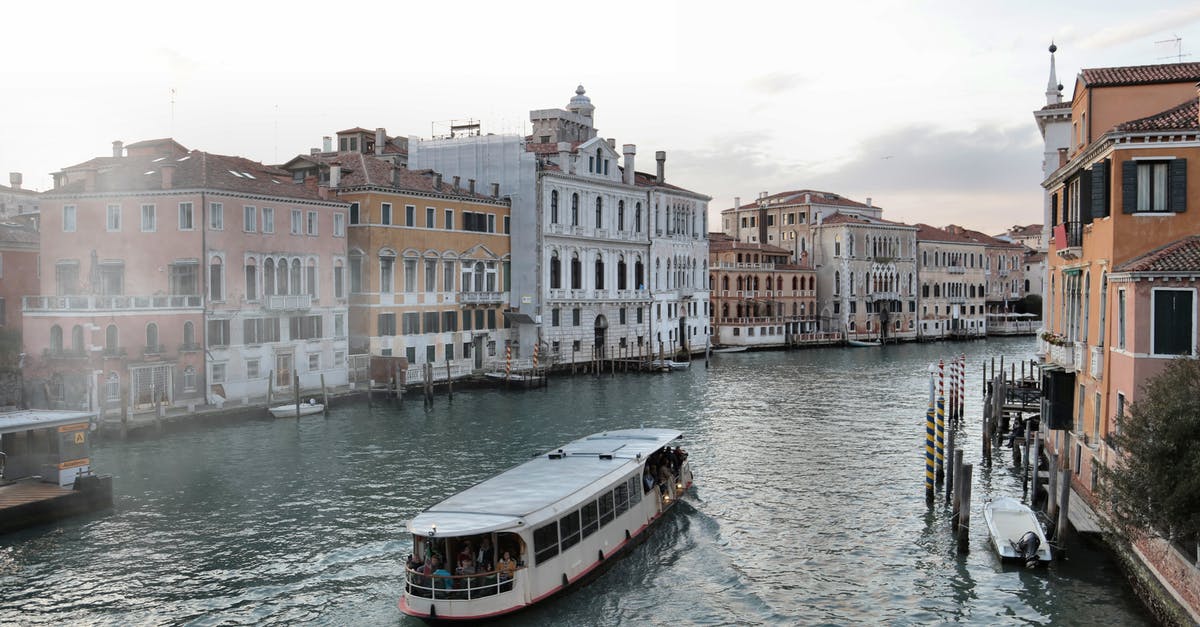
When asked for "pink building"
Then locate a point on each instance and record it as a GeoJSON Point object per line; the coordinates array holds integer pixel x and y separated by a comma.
{"type": "Point", "coordinates": [184, 276]}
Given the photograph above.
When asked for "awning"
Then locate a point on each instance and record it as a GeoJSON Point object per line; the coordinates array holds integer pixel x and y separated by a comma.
{"type": "Point", "coordinates": [517, 317]}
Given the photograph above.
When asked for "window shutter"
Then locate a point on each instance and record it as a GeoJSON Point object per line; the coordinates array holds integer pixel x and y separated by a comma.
{"type": "Point", "coordinates": [1053, 209]}
{"type": "Point", "coordinates": [1177, 183]}
{"type": "Point", "coordinates": [1085, 197]}
{"type": "Point", "coordinates": [1100, 190]}
{"type": "Point", "coordinates": [1128, 186]}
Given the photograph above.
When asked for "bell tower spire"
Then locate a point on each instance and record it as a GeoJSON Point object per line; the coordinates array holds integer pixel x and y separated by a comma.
{"type": "Point", "coordinates": [1053, 88]}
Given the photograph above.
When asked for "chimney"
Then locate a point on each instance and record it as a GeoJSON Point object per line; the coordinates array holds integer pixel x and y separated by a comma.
{"type": "Point", "coordinates": [471, 186]}
{"type": "Point", "coordinates": [762, 219]}
{"type": "Point", "coordinates": [335, 175]}
{"type": "Point", "coordinates": [314, 151]}
{"type": "Point", "coordinates": [118, 149]}
{"type": "Point", "coordinates": [1062, 157]}
{"type": "Point", "coordinates": [737, 219]}
{"type": "Point", "coordinates": [396, 177]}
{"type": "Point", "coordinates": [14, 180]}
{"type": "Point", "coordinates": [437, 181]}
{"type": "Point", "coordinates": [564, 156]}
{"type": "Point", "coordinates": [456, 184]}
{"type": "Point", "coordinates": [661, 158]}
{"type": "Point", "coordinates": [869, 202]}
{"type": "Point", "coordinates": [612, 143]}
{"type": "Point", "coordinates": [380, 140]}
{"type": "Point", "coordinates": [327, 144]}
{"type": "Point", "coordinates": [168, 175]}
{"type": "Point", "coordinates": [310, 182]}
{"type": "Point", "coordinates": [495, 190]}
{"type": "Point", "coordinates": [630, 151]}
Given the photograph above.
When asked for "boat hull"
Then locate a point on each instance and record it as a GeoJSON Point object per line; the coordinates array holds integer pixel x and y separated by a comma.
{"type": "Point", "coordinates": [289, 411]}
{"type": "Point", "coordinates": [1007, 521]}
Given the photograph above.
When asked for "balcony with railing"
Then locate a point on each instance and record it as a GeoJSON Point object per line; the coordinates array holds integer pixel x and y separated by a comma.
{"type": "Point", "coordinates": [728, 265]}
{"type": "Point", "coordinates": [1096, 362]}
{"type": "Point", "coordinates": [477, 298]}
{"type": "Point", "coordinates": [874, 296]}
{"type": "Point", "coordinates": [1068, 239]}
{"type": "Point", "coordinates": [957, 269]}
{"type": "Point", "coordinates": [98, 302]}
{"type": "Point", "coordinates": [157, 349]}
{"type": "Point", "coordinates": [290, 302]}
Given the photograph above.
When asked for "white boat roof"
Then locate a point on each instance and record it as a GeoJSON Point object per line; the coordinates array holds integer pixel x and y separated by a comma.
{"type": "Point", "coordinates": [26, 419]}
{"type": "Point", "coordinates": [505, 500]}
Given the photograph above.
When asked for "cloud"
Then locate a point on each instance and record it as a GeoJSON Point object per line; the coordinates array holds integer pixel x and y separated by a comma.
{"type": "Point", "coordinates": [776, 83]}
{"type": "Point", "coordinates": [1157, 23]}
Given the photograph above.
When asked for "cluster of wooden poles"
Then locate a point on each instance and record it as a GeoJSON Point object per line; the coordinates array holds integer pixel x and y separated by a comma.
{"type": "Point", "coordinates": [940, 427]}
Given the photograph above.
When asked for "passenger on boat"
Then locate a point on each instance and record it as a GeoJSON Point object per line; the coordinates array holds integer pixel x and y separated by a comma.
{"type": "Point", "coordinates": [648, 478]}
{"type": "Point", "coordinates": [484, 557]}
{"type": "Point", "coordinates": [507, 567]}
{"type": "Point", "coordinates": [441, 577]}
{"type": "Point", "coordinates": [465, 553]}
{"type": "Point", "coordinates": [664, 478]}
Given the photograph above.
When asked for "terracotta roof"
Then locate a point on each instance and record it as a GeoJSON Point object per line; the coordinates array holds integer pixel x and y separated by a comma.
{"type": "Point", "coordinates": [988, 240]}
{"type": "Point", "coordinates": [195, 170]}
{"type": "Point", "coordinates": [1178, 118]}
{"type": "Point", "coordinates": [8, 190]}
{"type": "Point", "coordinates": [644, 179]}
{"type": "Point", "coordinates": [357, 129]}
{"type": "Point", "coordinates": [845, 218]}
{"type": "Point", "coordinates": [547, 148]}
{"type": "Point", "coordinates": [1182, 255]}
{"type": "Point", "coordinates": [11, 233]}
{"type": "Point", "coordinates": [815, 197]}
{"type": "Point", "coordinates": [927, 233]}
{"type": "Point", "coordinates": [1035, 257]}
{"type": "Point", "coordinates": [1141, 74]}
{"type": "Point", "coordinates": [359, 169]}
{"type": "Point", "coordinates": [1025, 231]}
{"type": "Point", "coordinates": [1057, 105]}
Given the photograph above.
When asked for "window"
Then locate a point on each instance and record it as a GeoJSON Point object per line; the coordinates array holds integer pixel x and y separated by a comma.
{"type": "Point", "coordinates": [412, 323]}
{"type": "Point", "coordinates": [576, 313]}
{"type": "Point", "coordinates": [449, 323]}
{"type": "Point", "coordinates": [410, 276]}
{"type": "Point", "coordinates": [314, 361]}
{"type": "Point", "coordinates": [635, 494]}
{"type": "Point", "coordinates": [430, 217]}
{"type": "Point", "coordinates": [249, 219]}
{"type": "Point", "coordinates": [310, 279]}
{"type": "Point", "coordinates": [574, 209]}
{"type": "Point", "coordinates": [252, 369]}
{"type": "Point", "coordinates": [69, 219]}
{"type": "Point", "coordinates": [590, 518]}
{"type": "Point", "coordinates": [112, 279]}
{"type": "Point", "coordinates": [554, 206]}
{"type": "Point", "coordinates": [297, 222]}
{"type": "Point", "coordinates": [354, 216]}
{"type": "Point", "coordinates": [339, 325]}
{"type": "Point", "coordinates": [148, 222]}
{"type": "Point", "coordinates": [110, 340]}
{"type": "Point", "coordinates": [189, 335]}
{"type": "Point", "coordinates": [339, 225]}
{"type": "Point", "coordinates": [555, 317]}
{"type": "Point", "coordinates": [260, 330]}
{"type": "Point", "coordinates": [312, 223]}
{"type": "Point", "coordinates": [113, 218]}
{"type": "Point", "coordinates": [112, 387]}
{"type": "Point", "coordinates": [1173, 320]}
{"type": "Point", "coordinates": [339, 281]}
{"type": "Point", "coordinates": [387, 324]}
{"type": "Point", "coordinates": [568, 530]}
{"type": "Point", "coordinates": [431, 322]}
{"type": "Point", "coordinates": [606, 508]}
{"type": "Point", "coordinates": [545, 543]}
{"type": "Point", "coordinates": [268, 220]}
{"type": "Point", "coordinates": [185, 278]}
{"type": "Point", "coordinates": [1154, 186]}
{"type": "Point", "coordinates": [621, 498]}
{"type": "Point", "coordinates": [599, 212]}
{"type": "Point", "coordinates": [1120, 318]}
{"type": "Point", "coordinates": [216, 216]}
{"type": "Point", "coordinates": [218, 333]}
{"type": "Point", "coordinates": [430, 276]}
{"type": "Point", "coordinates": [387, 266]}
{"type": "Point", "coordinates": [448, 276]}
{"type": "Point", "coordinates": [637, 217]}
{"type": "Point", "coordinates": [448, 220]}
{"type": "Point", "coordinates": [491, 223]}
{"type": "Point", "coordinates": [305, 327]}
{"type": "Point", "coordinates": [218, 373]}
{"type": "Point", "coordinates": [356, 269]}
{"type": "Point", "coordinates": [216, 280]}
{"type": "Point", "coordinates": [506, 225]}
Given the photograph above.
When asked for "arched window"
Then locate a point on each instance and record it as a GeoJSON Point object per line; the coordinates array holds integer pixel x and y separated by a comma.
{"type": "Point", "coordinates": [622, 272]}
{"type": "Point", "coordinates": [599, 273]}
{"type": "Point", "coordinates": [189, 333]}
{"type": "Point", "coordinates": [268, 277]}
{"type": "Point", "coordinates": [216, 279]}
{"type": "Point", "coordinates": [724, 310]}
{"type": "Point", "coordinates": [151, 338]}
{"type": "Point", "coordinates": [480, 275]}
{"type": "Point", "coordinates": [574, 209]}
{"type": "Point", "coordinates": [111, 341]}
{"type": "Point", "coordinates": [554, 206]}
{"type": "Point", "coordinates": [77, 339]}
{"type": "Point", "coordinates": [837, 283]}
{"type": "Point", "coordinates": [56, 339]}
{"type": "Point", "coordinates": [112, 387]}
{"type": "Point", "coordinates": [599, 212]}
{"type": "Point", "coordinates": [795, 282]}
{"type": "Point", "coordinates": [281, 277]}
{"type": "Point", "coordinates": [740, 284]}
{"type": "Point", "coordinates": [620, 215]}
{"type": "Point", "coordinates": [937, 290]}
{"type": "Point", "coordinates": [637, 217]}
{"type": "Point", "coordinates": [1087, 298]}
{"type": "Point", "coordinates": [576, 272]}
{"type": "Point", "coordinates": [555, 271]}
{"type": "Point", "coordinates": [779, 283]}
{"type": "Point", "coordinates": [295, 287]}
{"type": "Point", "coordinates": [638, 274]}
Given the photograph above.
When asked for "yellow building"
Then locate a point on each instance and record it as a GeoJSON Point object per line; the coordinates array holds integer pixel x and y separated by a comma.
{"type": "Point", "coordinates": [428, 261]}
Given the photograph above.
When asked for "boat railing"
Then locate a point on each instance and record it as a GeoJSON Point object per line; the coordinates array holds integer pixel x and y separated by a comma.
{"type": "Point", "coordinates": [461, 587]}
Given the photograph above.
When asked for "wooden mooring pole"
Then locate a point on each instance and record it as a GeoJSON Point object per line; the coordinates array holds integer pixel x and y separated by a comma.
{"type": "Point", "coordinates": [324, 397]}
{"type": "Point", "coordinates": [450, 380]}
{"type": "Point", "coordinates": [1064, 510]}
{"type": "Point", "coordinates": [964, 509]}
{"type": "Point", "coordinates": [296, 392]}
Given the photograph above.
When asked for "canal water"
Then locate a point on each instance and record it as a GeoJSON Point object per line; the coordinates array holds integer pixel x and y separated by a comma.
{"type": "Point", "coordinates": [809, 508]}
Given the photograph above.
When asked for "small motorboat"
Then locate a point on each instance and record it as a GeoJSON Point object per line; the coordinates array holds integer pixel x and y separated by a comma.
{"type": "Point", "coordinates": [670, 364]}
{"type": "Point", "coordinates": [863, 343]}
{"type": "Point", "coordinates": [1016, 532]}
{"type": "Point", "coordinates": [289, 410]}
{"type": "Point", "coordinates": [729, 349]}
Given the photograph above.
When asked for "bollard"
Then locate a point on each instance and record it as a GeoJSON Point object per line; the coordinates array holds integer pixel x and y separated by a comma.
{"type": "Point", "coordinates": [964, 510]}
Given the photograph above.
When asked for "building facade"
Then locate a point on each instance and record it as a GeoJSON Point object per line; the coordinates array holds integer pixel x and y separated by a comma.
{"type": "Point", "coordinates": [760, 298]}
{"type": "Point", "coordinates": [952, 276]}
{"type": "Point", "coordinates": [15, 200]}
{"type": "Point", "coordinates": [20, 274]}
{"type": "Point", "coordinates": [785, 219]}
{"type": "Point", "coordinates": [171, 275]}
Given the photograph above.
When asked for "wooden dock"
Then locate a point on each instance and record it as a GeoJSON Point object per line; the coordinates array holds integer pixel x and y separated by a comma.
{"type": "Point", "coordinates": [33, 502]}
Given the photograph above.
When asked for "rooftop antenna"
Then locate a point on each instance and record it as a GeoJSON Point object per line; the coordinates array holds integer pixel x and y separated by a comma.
{"type": "Point", "coordinates": [172, 128]}
{"type": "Point", "coordinates": [1179, 53]}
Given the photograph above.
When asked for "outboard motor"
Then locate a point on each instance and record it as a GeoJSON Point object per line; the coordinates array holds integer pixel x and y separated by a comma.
{"type": "Point", "coordinates": [1028, 547]}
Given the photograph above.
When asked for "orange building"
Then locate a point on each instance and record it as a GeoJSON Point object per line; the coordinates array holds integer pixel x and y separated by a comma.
{"type": "Point", "coordinates": [1123, 267]}
{"type": "Point", "coordinates": [759, 296]}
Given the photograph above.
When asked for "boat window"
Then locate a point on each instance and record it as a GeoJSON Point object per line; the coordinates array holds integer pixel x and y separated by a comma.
{"type": "Point", "coordinates": [635, 495]}
{"type": "Point", "coordinates": [590, 516]}
{"type": "Point", "coordinates": [606, 508]}
{"type": "Point", "coordinates": [621, 496]}
{"type": "Point", "coordinates": [545, 543]}
{"type": "Point", "coordinates": [568, 530]}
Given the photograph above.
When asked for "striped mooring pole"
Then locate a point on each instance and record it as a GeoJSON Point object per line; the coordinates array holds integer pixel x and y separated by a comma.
{"type": "Point", "coordinates": [929, 453]}
{"type": "Point", "coordinates": [941, 421]}
{"type": "Point", "coordinates": [962, 385]}
{"type": "Point", "coordinates": [535, 356]}
{"type": "Point", "coordinates": [508, 361]}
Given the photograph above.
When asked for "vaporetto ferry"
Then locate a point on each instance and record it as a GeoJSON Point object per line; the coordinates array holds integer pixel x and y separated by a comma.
{"type": "Point", "coordinates": [536, 529]}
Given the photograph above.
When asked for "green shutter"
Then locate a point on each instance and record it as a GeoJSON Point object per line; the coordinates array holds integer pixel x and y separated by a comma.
{"type": "Point", "coordinates": [1053, 209]}
{"type": "Point", "coordinates": [1100, 190]}
{"type": "Point", "coordinates": [1177, 185]}
{"type": "Point", "coordinates": [1128, 187]}
{"type": "Point", "coordinates": [1085, 197]}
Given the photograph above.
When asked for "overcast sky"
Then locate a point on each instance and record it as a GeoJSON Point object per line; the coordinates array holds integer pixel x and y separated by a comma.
{"type": "Point", "coordinates": [923, 106]}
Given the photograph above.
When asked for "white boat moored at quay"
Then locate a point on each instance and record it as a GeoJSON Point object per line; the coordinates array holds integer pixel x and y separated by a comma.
{"type": "Point", "coordinates": [538, 528]}
{"type": "Point", "coordinates": [291, 411]}
{"type": "Point", "coordinates": [1015, 531]}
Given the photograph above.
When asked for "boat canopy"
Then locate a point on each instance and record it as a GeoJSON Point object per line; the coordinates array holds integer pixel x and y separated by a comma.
{"type": "Point", "coordinates": [561, 478]}
{"type": "Point", "coordinates": [27, 419]}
